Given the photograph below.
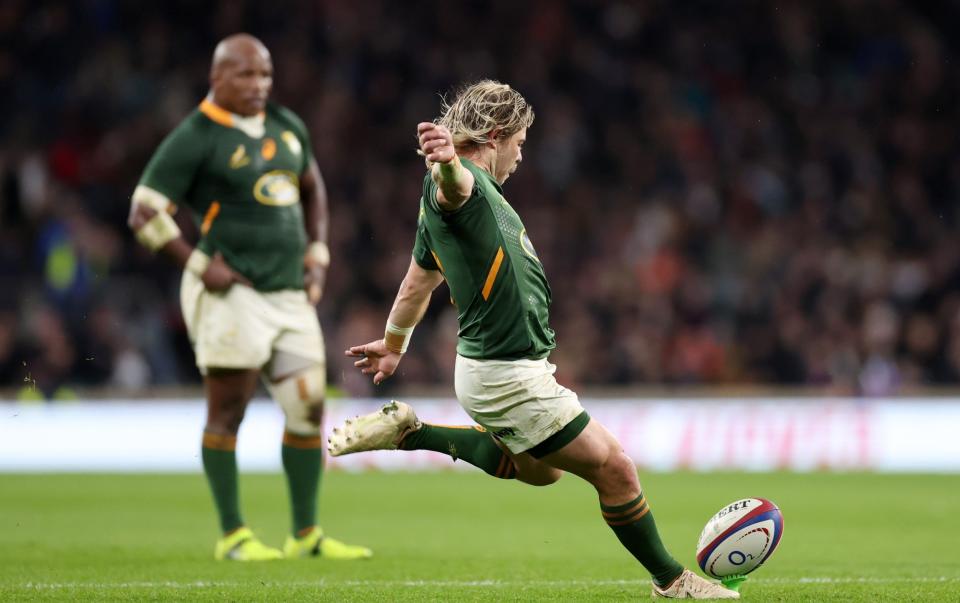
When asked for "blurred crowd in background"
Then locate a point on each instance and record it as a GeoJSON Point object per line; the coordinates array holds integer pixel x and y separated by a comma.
{"type": "Point", "coordinates": [722, 193]}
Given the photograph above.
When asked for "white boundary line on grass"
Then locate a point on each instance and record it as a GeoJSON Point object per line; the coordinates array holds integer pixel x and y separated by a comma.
{"type": "Point", "coordinates": [466, 583]}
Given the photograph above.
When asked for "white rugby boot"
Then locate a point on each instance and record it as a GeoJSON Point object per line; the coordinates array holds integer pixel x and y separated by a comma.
{"type": "Point", "coordinates": [380, 430]}
{"type": "Point", "coordinates": [688, 585]}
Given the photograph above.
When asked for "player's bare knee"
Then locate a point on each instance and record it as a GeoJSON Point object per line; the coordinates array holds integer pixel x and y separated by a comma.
{"type": "Point", "coordinates": [627, 471]}
{"type": "Point", "coordinates": [233, 422]}
{"type": "Point", "coordinates": [225, 415]}
{"type": "Point", "coordinates": [618, 477]}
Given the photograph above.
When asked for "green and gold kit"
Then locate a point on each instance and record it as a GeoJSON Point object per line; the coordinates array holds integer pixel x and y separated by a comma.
{"type": "Point", "coordinates": [495, 278]}
{"type": "Point", "coordinates": [241, 178]}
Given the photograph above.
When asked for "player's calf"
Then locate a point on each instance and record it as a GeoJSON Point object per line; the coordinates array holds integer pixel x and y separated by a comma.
{"type": "Point", "coordinates": [470, 443]}
{"type": "Point", "coordinates": [597, 456]}
{"type": "Point", "coordinates": [300, 395]}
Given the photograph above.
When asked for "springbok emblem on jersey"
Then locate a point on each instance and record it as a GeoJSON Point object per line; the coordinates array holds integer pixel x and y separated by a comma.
{"type": "Point", "coordinates": [239, 158]}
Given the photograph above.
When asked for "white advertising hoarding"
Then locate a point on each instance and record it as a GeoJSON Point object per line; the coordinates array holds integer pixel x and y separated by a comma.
{"type": "Point", "coordinates": [698, 434]}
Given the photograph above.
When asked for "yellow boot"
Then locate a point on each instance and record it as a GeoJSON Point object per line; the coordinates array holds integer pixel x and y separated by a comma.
{"type": "Point", "coordinates": [315, 544]}
{"type": "Point", "coordinates": [242, 545]}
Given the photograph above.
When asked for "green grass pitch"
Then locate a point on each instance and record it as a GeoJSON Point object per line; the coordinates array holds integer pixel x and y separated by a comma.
{"type": "Point", "coordinates": [454, 536]}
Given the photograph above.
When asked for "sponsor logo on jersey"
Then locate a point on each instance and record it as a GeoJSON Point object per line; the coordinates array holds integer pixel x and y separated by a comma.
{"type": "Point", "coordinates": [277, 187]}
{"type": "Point", "coordinates": [527, 245]}
{"type": "Point", "coordinates": [292, 141]}
{"type": "Point", "coordinates": [239, 157]}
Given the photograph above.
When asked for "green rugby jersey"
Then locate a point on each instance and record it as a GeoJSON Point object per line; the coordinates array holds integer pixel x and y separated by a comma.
{"type": "Point", "coordinates": [495, 278]}
{"type": "Point", "coordinates": [244, 191]}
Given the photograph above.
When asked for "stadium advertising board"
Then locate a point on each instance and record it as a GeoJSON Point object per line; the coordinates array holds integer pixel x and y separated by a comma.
{"type": "Point", "coordinates": [661, 435]}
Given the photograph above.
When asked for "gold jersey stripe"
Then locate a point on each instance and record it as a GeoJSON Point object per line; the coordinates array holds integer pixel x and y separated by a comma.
{"type": "Point", "coordinates": [492, 275]}
{"type": "Point", "coordinates": [436, 259]}
{"type": "Point", "coordinates": [212, 212]}
{"type": "Point", "coordinates": [475, 427]}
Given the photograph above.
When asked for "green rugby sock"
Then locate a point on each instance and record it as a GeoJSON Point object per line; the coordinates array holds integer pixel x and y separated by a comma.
{"type": "Point", "coordinates": [471, 443]}
{"type": "Point", "coordinates": [633, 524]}
{"type": "Point", "coordinates": [303, 463]}
{"type": "Point", "coordinates": [220, 466]}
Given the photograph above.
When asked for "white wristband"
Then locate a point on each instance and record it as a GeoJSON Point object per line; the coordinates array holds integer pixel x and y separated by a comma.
{"type": "Point", "coordinates": [397, 338]}
{"type": "Point", "coordinates": [157, 231]}
{"type": "Point", "coordinates": [318, 253]}
{"type": "Point", "coordinates": [197, 263]}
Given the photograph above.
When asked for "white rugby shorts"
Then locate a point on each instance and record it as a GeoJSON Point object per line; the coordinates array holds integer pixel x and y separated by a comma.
{"type": "Point", "coordinates": [243, 327]}
{"type": "Point", "coordinates": [518, 401]}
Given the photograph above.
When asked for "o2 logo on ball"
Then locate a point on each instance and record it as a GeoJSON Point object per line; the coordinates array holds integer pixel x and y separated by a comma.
{"type": "Point", "coordinates": [738, 557]}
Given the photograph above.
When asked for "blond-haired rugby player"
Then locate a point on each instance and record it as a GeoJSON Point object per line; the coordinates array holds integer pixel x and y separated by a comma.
{"type": "Point", "coordinates": [530, 427]}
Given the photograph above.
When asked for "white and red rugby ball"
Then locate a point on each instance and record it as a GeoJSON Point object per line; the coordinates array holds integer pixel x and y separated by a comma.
{"type": "Point", "coordinates": [740, 537]}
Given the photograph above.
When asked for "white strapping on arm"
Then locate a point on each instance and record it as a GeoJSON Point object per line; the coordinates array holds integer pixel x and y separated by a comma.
{"type": "Point", "coordinates": [161, 228]}
{"type": "Point", "coordinates": [318, 253]}
{"type": "Point", "coordinates": [197, 263]}
{"type": "Point", "coordinates": [153, 198]}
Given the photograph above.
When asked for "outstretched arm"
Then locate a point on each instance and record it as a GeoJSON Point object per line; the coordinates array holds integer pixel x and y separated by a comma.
{"type": "Point", "coordinates": [381, 357]}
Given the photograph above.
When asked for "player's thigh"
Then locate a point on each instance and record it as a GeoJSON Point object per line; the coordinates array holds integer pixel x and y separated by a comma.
{"type": "Point", "coordinates": [596, 456]}
{"type": "Point", "coordinates": [593, 450]}
{"type": "Point", "coordinates": [518, 402]}
{"type": "Point", "coordinates": [299, 335]}
{"type": "Point", "coordinates": [229, 330]}
{"type": "Point", "coordinates": [296, 374]}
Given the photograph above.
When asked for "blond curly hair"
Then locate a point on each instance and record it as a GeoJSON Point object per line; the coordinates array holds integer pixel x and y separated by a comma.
{"type": "Point", "coordinates": [481, 107]}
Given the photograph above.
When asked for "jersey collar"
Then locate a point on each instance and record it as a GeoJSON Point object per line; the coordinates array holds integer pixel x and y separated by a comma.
{"type": "Point", "coordinates": [487, 175]}
{"type": "Point", "coordinates": [251, 126]}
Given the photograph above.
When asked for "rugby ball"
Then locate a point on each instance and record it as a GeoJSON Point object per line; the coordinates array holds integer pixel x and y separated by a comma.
{"type": "Point", "coordinates": [740, 537]}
